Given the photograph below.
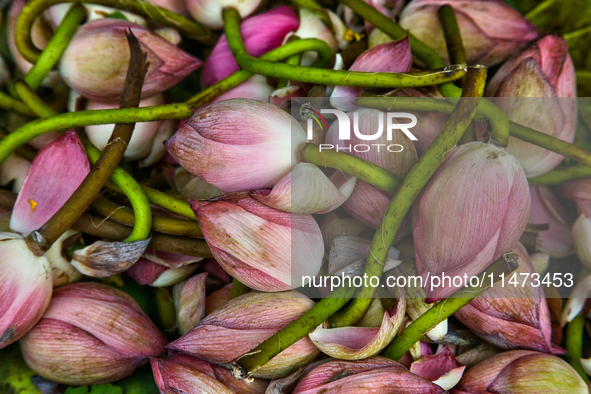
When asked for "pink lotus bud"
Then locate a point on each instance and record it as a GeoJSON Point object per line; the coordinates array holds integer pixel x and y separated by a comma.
{"type": "Point", "coordinates": [56, 172]}
{"type": "Point", "coordinates": [90, 334]}
{"type": "Point", "coordinates": [311, 26]}
{"type": "Point", "coordinates": [354, 343]}
{"type": "Point", "coordinates": [40, 35]}
{"type": "Point", "coordinates": [84, 69]}
{"type": "Point", "coordinates": [334, 224]}
{"type": "Point", "coordinates": [26, 285]}
{"type": "Point", "coordinates": [512, 317]}
{"type": "Point", "coordinates": [189, 375]}
{"type": "Point", "coordinates": [550, 73]}
{"type": "Point", "coordinates": [238, 144]}
{"type": "Point", "coordinates": [217, 299]}
{"type": "Point", "coordinates": [146, 272]}
{"type": "Point", "coordinates": [522, 372]}
{"type": "Point", "coordinates": [428, 123]}
{"type": "Point", "coordinates": [367, 203]}
{"type": "Point", "coordinates": [189, 302]}
{"type": "Point", "coordinates": [374, 374]}
{"type": "Point", "coordinates": [254, 88]}
{"type": "Point", "coordinates": [394, 57]}
{"type": "Point", "coordinates": [471, 212]}
{"type": "Point", "coordinates": [292, 193]}
{"type": "Point", "coordinates": [491, 30]}
{"type": "Point", "coordinates": [557, 241]}
{"type": "Point", "coordinates": [14, 169]}
{"type": "Point", "coordinates": [442, 369]}
{"type": "Point", "coordinates": [147, 141]}
{"type": "Point", "coordinates": [260, 33]}
{"type": "Point", "coordinates": [269, 250]}
{"type": "Point", "coordinates": [243, 323]}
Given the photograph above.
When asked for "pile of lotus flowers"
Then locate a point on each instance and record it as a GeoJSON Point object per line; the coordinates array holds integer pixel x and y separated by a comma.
{"type": "Point", "coordinates": [203, 196]}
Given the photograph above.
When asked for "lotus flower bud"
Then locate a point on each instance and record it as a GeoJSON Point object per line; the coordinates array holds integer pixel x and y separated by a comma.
{"type": "Point", "coordinates": [238, 144]}
{"type": "Point", "coordinates": [550, 73]}
{"type": "Point", "coordinates": [146, 272]}
{"type": "Point", "coordinates": [269, 250]}
{"type": "Point", "coordinates": [333, 224]}
{"type": "Point", "coordinates": [374, 374]}
{"type": "Point", "coordinates": [311, 26]}
{"type": "Point", "coordinates": [477, 354]}
{"type": "Point", "coordinates": [56, 172]}
{"type": "Point", "coordinates": [214, 269]}
{"type": "Point", "coordinates": [189, 302]}
{"type": "Point", "coordinates": [576, 301]}
{"type": "Point", "coordinates": [217, 299]}
{"type": "Point", "coordinates": [147, 141]}
{"type": "Point", "coordinates": [260, 33]}
{"type": "Point", "coordinates": [292, 193]}
{"type": "Point", "coordinates": [521, 372]}
{"type": "Point", "coordinates": [486, 41]}
{"type": "Point", "coordinates": [40, 35]}
{"type": "Point", "coordinates": [243, 323]}
{"type": "Point", "coordinates": [192, 376]}
{"type": "Point", "coordinates": [337, 343]}
{"type": "Point", "coordinates": [579, 191]}
{"type": "Point", "coordinates": [367, 203]}
{"type": "Point", "coordinates": [442, 369]}
{"type": "Point", "coordinates": [90, 334]}
{"type": "Point", "coordinates": [471, 212]}
{"type": "Point", "coordinates": [394, 57]}
{"type": "Point", "coordinates": [14, 169]}
{"type": "Point", "coordinates": [512, 316]}
{"type": "Point", "coordinates": [26, 285]}
{"type": "Point", "coordinates": [84, 69]}
{"type": "Point", "coordinates": [557, 241]}
{"type": "Point", "coordinates": [190, 187]}
{"type": "Point", "coordinates": [254, 88]}
{"type": "Point", "coordinates": [209, 13]}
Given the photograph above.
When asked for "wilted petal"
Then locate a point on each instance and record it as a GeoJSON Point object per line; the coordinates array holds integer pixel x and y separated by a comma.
{"type": "Point", "coordinates": [354, 343]}
{"type": "Point", "coordinates": [189, 302]}
{"type": "Point", "coordinates": [332, 225]}
{"type": "Point", "coordinates": [292, 193]}
{"type": "Point", "coordinates": [174, 377]}
{"type": "Point", "coordinates": [442, 369]}
{"type": "Point", "coordinates": [56, 172]}
{"type": "Point", "coordinates": [103, 259]}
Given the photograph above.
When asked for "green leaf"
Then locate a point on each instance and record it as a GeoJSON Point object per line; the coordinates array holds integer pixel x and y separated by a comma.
{"type": "Point", "coordinates": [15, 374]}
{"type": "Point", "coordinates": [100, 389]}
{"type": "Point", "coordinates": [140, 382]}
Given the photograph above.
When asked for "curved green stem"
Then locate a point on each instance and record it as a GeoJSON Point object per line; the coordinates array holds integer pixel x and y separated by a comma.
{"type": "Point", "coordinates": [574, 345]}
{"type": "Point", "coordinates": [32, 100]}
{"type": "Point", "coordinates": [329, 77]}
{"type": "Point", "coordinates": [34, 8]}
{"type": "Point", "coordinates": [139, 202]}
{"type": "Point", "coordinates": [161, 224]}
{"type": "Point", "coordinates": [284, 51]}
{"type": "Point", "coordinates": [56, 46]}
{"type": "Point", "coordinates": [245, 366]}
{"type": "Point", "coordinates": [409, 190]}
{"type": "Point", "coordinates": [353, 165]}
{"type": "Point", "coordinates": [293, 60]}
{"type": "Point", "coordinates": [447, 307]}
{"type": "Point", "coordinates": [561, 174]}
{"type": "Point", "coordinates": [12, 105]}
{"type": "Point", "coordinates": [91, 117]}
{"type": "Point", "coordinates": [453, 37]}
{"type": "Point", "coordinates": [238, 288]}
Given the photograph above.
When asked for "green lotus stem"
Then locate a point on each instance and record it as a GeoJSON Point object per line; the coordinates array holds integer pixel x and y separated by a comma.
{"type": "Point", "coordinates": [353, 165]}
{"type": "Point", "coordinates": [447, 307]}
{"type": "Point", "coordinates": [34, 8]}
{"type": "Point", "coordinates": [40, 108]}
{"type": "Point", "coordinates": [10, 104]}
{"type": "Point", "coordinates": [329, 77]}
{"type": "Point", "coordinates": [409, 190]}
{"type": "Point", "coordinates": [238, 288]}
{"type": "Point", "coordinates": [56, 46]}
{"type": "Point", "coordinates": [293, 60]}
{"type": "Point", "coordinates": [139, 202]}
{"type": "Point", "coordinates": [290, 334]}
{"type": "Point", "coordinates": [561, 174]}
{"type": "Point", "coordinates": [161, 224]}
{"type": "Point", "coordinates": [453, 37]}
{"type": "Point", "coordinates": [86, 118]}
{"type": "Point", "coordinates": [574, 345]}
{"type": "Point", "coordinates": [284, 51]}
